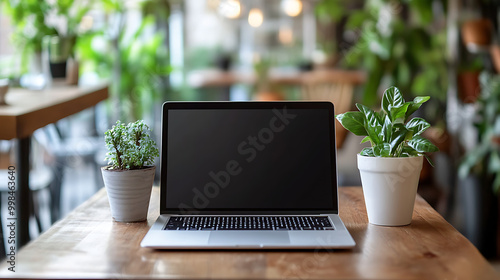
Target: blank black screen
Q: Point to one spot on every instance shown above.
(249, 159)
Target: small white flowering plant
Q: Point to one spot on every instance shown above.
(130, 146)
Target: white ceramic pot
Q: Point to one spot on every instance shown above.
(129, 192)
(389, 187)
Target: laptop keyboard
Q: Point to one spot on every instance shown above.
(249, 223)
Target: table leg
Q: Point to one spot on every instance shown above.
(55, 193)
(23, 170)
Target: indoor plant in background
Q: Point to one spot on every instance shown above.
(479, 170)
(395, 42)
(33, 20)
(264, 89)
(390, 168)
(468, 78)
(134, 57)
(28, 19)
(129, 177)
(484, 159)
(477, 34)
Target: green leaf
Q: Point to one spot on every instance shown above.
(472, 158)
(130, 146)
(423, 10)
(494, 164)
(373, 124)
(330, 10)
(374, 135)
(417, 102)
(382, 150)
(387, 129)
(371, 117)
(354, 122)
(422, 145)
(366, 139)
(398, 114)
(381, 115)
(409, 151)
(429, 160)
(392, 98)
(417, 126)
(367, 152)
(356, 19)
(398, 137)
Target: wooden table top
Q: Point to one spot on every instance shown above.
(28, 110)
(89, 244)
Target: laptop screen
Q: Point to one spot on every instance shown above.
(248, 157)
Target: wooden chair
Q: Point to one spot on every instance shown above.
(336, 86)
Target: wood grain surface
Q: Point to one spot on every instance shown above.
(28, 110)
(89, 244)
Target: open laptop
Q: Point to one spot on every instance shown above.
(248, 175)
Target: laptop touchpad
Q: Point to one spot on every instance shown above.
(248, 238)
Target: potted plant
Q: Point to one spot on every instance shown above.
(129, 177)
(390, 168)
(479, 170)
(264, 89)
(477, 33)
(59, 20)
(393, 43)
(468, 79)
(135, 60)
(60, 49)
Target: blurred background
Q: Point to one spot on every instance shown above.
(344, 51)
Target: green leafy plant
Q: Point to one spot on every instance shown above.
(130, 146)
(388, 131)
(135, 59)
(28, 20)
(261, 69)
(33, 20)
(400, 41)
(484, 159)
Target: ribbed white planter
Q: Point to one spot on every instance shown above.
(129, 192)
(390, 187)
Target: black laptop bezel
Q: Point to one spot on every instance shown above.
(175, 105)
